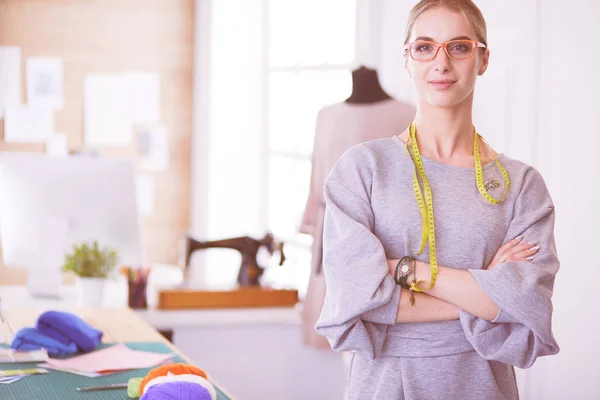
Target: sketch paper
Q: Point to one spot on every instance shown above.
(28, 124)
(145, 194)
(57, 145)
(143, 91)
(45, 82)
(154, 148)
(106, 122)
(10, 77)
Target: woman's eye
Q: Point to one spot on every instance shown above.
(460, 48)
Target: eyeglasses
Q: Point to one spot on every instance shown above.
(423, 50)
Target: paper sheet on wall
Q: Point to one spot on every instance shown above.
(106, 121)
(57, 145)
(10, 77)
(143, 91)
(154, 148)
(45, 82)
(28, 124)
(145, 194)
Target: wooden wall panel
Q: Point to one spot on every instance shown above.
(113, 36)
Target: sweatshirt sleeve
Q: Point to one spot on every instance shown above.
(362, 299)
(522, 330)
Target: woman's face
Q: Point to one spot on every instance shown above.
(445, 82)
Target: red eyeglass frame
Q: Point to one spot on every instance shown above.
(444, 45)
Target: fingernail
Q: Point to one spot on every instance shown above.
(530, 258)
(519, 238)
(533, 243)
(535, 248)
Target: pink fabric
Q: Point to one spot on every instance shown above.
(339, 127)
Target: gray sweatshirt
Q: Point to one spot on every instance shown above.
(371, 215)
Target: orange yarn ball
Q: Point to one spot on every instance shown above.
(175, 369)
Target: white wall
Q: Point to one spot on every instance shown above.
(538, 103)
(568, 154)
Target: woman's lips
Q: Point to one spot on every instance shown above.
(442, 84)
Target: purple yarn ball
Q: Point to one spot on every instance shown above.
(177, 391)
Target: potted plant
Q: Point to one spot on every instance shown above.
(92, 267)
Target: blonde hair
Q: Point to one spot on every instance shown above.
(471, 12)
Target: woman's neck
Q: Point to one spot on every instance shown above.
(445, 133)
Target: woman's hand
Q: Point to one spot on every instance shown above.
(515, 250)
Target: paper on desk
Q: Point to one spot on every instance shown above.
(143, 93)
(57, 145)
(89, 374)
(10, 77)
(144, 186)
(73, 371)
(10, 379)
(28, 124)
(115, 358)
(154, 148)
(15, 356)
(45, 82)
(106, 120)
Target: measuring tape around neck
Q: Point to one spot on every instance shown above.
(426, 204)
(479, 174)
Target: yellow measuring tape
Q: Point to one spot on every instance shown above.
(479, 174)
(426, 205)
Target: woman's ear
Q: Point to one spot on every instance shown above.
(406, 66)
(485, 59)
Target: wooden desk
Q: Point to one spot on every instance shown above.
(246, 350)
(118, 325)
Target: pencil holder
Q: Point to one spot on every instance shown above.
(137, 295)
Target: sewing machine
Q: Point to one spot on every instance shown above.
(249, 292)
(250, 272)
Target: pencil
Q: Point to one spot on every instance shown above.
(107, 387)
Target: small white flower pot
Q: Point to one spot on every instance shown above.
(90, 292)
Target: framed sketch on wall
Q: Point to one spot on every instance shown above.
(45, 82)
(153, 145)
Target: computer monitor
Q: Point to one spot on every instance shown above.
(96, 196)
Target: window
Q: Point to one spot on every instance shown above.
(271, 65)
(310, 52)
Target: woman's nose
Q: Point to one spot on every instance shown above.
(441, 60)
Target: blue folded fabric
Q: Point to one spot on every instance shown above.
(69, 328)
(31, 339)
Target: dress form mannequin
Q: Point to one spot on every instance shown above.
(366, 87)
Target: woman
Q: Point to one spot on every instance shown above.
(438, 253)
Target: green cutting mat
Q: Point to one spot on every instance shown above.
(62, 385)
